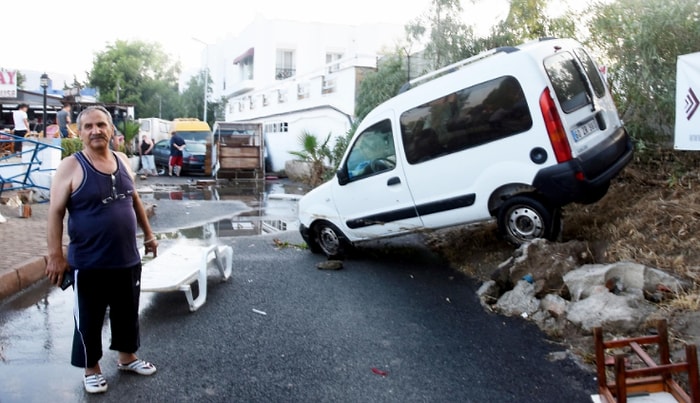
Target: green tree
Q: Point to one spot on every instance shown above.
(133, 72)
(380, 85)
(449, 39)
(527, 20)
(193, 98)
(21, 79)
(160, 100)
(641, 40)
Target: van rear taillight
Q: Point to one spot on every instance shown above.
(555, 130)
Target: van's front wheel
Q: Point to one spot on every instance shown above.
(522, 219)
(329, 239)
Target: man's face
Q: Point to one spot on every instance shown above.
(95, 130)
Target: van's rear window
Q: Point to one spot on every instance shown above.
(591, 71)
(567, 81)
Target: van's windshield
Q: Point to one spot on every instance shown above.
(201, 136)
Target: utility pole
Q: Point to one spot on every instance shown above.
(206, 76)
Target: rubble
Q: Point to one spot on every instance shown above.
(553, 285)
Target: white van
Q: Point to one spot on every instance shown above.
(512, 134)
(155, 128)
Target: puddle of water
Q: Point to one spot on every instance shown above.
(271, 207)
(36, 333)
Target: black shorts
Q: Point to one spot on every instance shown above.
(95, 290)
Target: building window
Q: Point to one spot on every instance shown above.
(286, 65)
(281, 96)
(246, 68)
(333, 57)
(302, 90)
(328, 85)
(276, 127)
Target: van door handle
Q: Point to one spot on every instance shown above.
(393, 181)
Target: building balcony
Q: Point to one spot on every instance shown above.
(242, 87)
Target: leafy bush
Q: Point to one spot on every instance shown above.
(70, 147)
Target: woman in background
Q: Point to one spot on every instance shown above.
(148, 165)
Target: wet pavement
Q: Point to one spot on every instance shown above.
(395, 325)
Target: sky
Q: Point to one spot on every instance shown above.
(63, 37)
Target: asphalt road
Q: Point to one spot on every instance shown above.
(394, 325)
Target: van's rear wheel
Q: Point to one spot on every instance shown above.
(522, 219)
(329, 239)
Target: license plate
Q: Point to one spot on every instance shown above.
(585, 129)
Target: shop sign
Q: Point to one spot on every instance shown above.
(8, 84)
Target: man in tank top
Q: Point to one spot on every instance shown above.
(96, 187)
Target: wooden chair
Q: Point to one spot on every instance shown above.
(651, 377)
(7, 144)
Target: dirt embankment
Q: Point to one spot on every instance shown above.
(651, 215)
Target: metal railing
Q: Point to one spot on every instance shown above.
(18, 175)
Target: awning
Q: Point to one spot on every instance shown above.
(33, 99)
(248, 53)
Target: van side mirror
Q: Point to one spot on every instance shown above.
(342, 175)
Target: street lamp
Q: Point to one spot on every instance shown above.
(206, 76)
(44, 83)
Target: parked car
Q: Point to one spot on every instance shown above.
(192, 156)
(512, 134)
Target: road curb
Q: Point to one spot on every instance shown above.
(22, 276)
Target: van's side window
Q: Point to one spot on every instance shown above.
(467, 118)
(372, 152)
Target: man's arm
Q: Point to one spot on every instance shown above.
(61, 188)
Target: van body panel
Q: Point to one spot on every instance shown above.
(560, 185)
(455, 149)
(376, 200)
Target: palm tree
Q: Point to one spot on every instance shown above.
(316, 154)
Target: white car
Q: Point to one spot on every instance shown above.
(512, 134)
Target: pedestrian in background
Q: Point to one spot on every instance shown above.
(177, 145)
(96, 187)
(21, 122)
(63, 119)
(148, 164)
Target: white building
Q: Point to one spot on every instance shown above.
(294, 77)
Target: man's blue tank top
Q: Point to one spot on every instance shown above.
(102, 220)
